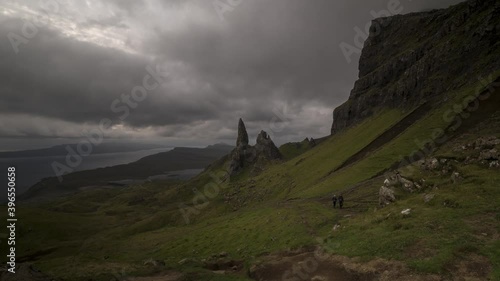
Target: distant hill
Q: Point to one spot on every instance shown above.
(177, 159)
(111, 147)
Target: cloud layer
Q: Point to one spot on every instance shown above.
(277, 64)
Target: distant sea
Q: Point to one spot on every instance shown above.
(30, 170)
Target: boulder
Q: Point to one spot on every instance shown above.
(223, 254)
(153, 262)
(190, 262)
(336, 227)
(406, 212)
(399, 181)
(484, 143)
(489, 155)
(386, 196)
(431, 164)
(407, 184)
(428, 197)
(456, 177)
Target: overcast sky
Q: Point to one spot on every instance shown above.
(275, 63)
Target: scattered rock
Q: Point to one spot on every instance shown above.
(489, 155)
(456, 177)
(407, 184)
(336, 227)
(186, 261)
(223, 264)
(223, 254)
(434, 164)
(481, 143)
(397, 180)
(406, 212)
(484, 151)
(430, 164)
(385, 196)
(153, 262)
(428, 197)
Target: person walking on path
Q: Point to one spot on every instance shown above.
(334, 200)
(341, 201)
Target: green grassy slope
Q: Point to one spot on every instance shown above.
(99, 233)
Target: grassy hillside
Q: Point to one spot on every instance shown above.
(105, 233)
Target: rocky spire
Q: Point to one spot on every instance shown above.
(242, 134)
(253, 157)
(266, 146)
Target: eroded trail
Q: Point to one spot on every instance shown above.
(305, 266)
(316, 265)
(173, 276)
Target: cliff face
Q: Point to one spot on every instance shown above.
(409, 59)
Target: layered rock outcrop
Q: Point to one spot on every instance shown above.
(245, 155)
(409, 59)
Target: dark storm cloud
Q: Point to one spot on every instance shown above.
(57, 77)
(264, 52)
(266, 59)
(275, 50)
(61, 78)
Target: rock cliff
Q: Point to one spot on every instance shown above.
(245, 155)
(242, 134)
(409, 59)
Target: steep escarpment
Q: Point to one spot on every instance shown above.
(410, 59)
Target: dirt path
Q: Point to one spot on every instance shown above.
(304, 266)
(316, 265)
(171, 276)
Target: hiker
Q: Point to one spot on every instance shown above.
(334, 200)
(341, 201)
